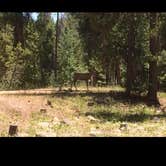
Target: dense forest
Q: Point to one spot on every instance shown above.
(126, 49)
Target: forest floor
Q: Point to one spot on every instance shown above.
(100, 112)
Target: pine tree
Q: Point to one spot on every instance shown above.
(70, 51)
(46, 30)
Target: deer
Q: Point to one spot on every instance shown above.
(90, 76)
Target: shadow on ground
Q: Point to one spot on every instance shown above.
(117, 96)
(117, 117)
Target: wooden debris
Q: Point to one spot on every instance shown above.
(90, 104)
(43, 110)
(49, 102)
(13, 130)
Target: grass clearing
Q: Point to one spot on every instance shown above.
(109, 114)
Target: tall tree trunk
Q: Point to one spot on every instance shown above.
(130, 55)
(19, 29)
(117, 72)
(56, 54)
(152, 92)
(107, 72)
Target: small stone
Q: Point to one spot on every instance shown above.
(45, 134)
(56, 121)
(92, 119)
(66, 122)
(77, 118)
(23, 135)
(43, 110)
(90, 104)
(123, 126)
(48, 103)
(94, 132)
(97, 127)
(158, 110)
(156, 119)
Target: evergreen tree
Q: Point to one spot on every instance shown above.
(70, 51)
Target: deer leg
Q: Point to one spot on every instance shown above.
(71, 86)
(87, 85)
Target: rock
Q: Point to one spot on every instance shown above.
(46, 134)
(123, 126)
(55, 121)
(97, 127)
(13, 130)
(158, 110)
(92, 119)
(156, 119)
(23, 135)
(48, 103)
(43, 110)
(90, 104)
(77, 118)
(94, 132)
(66, 122)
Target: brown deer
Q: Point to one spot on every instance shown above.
(83, 77)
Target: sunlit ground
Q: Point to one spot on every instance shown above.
(96, 113)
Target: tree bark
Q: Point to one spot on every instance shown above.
(107, 72)
(152, 92)
(130, 56)
(117, 72)
(19, 29)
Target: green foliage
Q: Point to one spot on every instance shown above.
(15, 66)
(32, 68)
(161, 70)
(46, 43)
(69, 51)
(6, 52)
(101, 41)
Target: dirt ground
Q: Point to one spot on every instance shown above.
(23, 103)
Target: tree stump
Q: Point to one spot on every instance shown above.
(13, 130)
